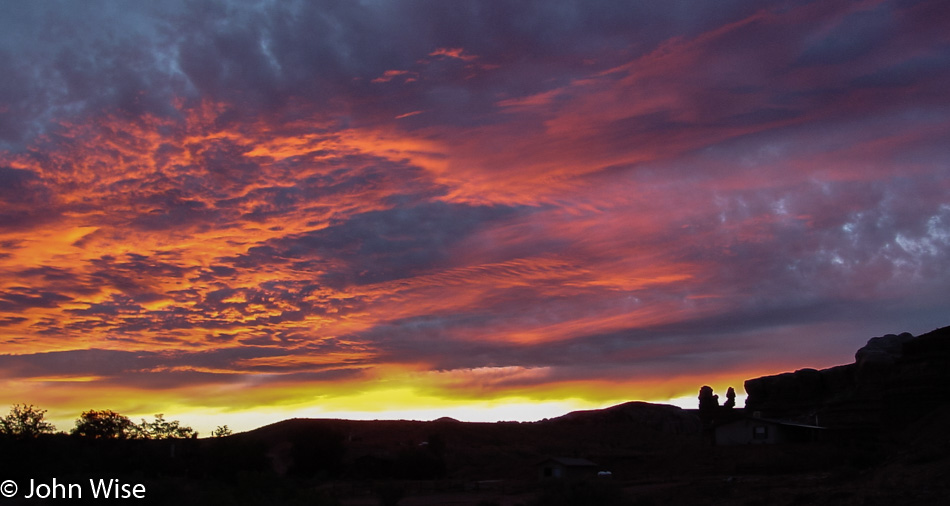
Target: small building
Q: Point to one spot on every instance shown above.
(566, 468)
(755, 430)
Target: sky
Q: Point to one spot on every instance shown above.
(239, 212)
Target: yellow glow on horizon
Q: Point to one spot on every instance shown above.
(204, 409)
(387, 405)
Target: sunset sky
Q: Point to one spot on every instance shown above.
(236, 212)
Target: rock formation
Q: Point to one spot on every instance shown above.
(894, 380)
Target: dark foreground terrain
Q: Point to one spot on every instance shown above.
(865, 443)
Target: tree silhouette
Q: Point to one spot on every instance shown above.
(221, 431)
(25, 421)
(105, 424)
(164, 429)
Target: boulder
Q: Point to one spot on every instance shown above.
(889, 345)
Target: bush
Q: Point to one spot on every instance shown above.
(105, 424)
(25, 421)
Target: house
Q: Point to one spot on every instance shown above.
(566, 468)
(756, 430)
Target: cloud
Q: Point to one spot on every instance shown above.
(381, 246)
(19, 298)
(82, 363)
(275, 55)
(849, 38)
(25, 200)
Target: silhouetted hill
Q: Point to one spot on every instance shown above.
(660, 418)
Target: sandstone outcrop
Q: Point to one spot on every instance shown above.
(894, 380)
